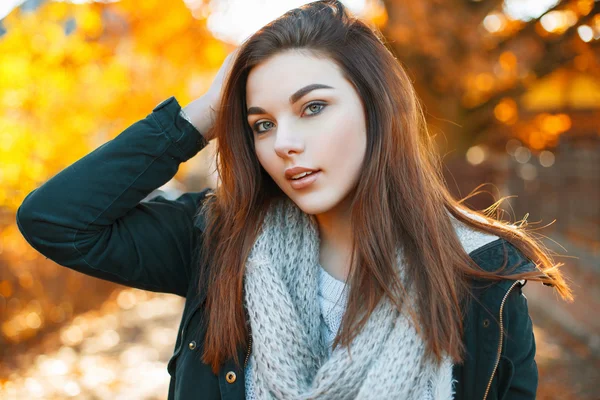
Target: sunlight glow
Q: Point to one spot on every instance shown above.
(494, 22)
(235, 20)
(526, 10)
(585, 33)
(230, 20)
(6, 6)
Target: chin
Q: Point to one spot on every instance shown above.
(313, 203)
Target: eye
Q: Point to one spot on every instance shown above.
(256, 125)
(315, 108)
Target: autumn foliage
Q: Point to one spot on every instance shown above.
(73, 76)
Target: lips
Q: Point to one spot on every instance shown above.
(302, 175)
(291, 172)
(306, 181)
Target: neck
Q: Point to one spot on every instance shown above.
(335, 235)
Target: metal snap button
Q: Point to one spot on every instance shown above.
(230, 377)
(486, 323)
(192, 345)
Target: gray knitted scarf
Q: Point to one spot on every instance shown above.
(289, 355)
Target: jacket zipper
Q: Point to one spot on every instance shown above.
(248, 352)
(487, 390)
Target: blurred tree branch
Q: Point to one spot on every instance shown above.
(445, 47)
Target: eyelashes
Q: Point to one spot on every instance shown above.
(256, 125)
(321, 105)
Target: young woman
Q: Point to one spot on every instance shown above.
(330, 262)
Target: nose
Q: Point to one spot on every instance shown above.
(287, 143)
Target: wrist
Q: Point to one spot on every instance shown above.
(185, 116)
(200, 114)
(185, 136)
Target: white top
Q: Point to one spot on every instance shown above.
(333, 296)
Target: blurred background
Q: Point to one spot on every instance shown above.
(511, 91)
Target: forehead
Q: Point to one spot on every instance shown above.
(276, 78)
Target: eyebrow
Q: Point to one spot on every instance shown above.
(294, 97)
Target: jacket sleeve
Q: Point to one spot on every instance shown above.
(90, 216)
(520, 348)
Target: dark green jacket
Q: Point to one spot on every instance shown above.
(90, 217)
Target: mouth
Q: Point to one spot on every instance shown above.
(304, 179)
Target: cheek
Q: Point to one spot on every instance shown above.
(344, 146)
(265, 156)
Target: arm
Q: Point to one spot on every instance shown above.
(89, 217)
(520, 348)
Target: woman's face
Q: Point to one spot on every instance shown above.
(322, 129)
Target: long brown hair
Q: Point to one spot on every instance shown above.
(401, 196)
